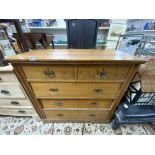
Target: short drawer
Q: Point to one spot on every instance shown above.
(8, 77)
(76, 90)
(76, 114)
(76, 104)
(103, 72)
(14, 102)
(49, 72)
(17, 112)
(11, 91)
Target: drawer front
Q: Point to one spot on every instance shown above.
(76, 90)
(17, 112)
(103, 72)
(50, 72)
(76, 104)
(14, 102)
(76, 114)
(11, 91)
(8, 77)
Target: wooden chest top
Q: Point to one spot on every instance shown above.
(75, 55)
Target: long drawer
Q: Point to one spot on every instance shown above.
(50, 72)
(76, 90)
(76, 104)
(14, 102)
(17, 112)
(103, 72)
(8, 77)
(11, 91)
(76, 115)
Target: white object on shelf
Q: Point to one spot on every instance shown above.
(111, 45)
(115, 31)
(119, 21)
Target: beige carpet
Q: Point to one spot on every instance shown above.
(30, 126)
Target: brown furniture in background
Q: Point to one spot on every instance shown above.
(33, 38)
(2, 63)
(19, 31)
(75, 85)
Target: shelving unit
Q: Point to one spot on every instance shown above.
(60, 34)
(139, 25)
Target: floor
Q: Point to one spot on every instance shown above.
(30, 126)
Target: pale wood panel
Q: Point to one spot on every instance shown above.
(103, 72)
(76, 114)
(50, 72)
(11, 91)
(76, 103)
(8, 68)
(14, 102)
(59, 55)
(17, 112)
(76, 90)
(8, 77)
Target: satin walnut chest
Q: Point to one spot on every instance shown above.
(75, 85)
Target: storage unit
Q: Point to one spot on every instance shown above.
(60, 34)
(13, 99)
(75, 85)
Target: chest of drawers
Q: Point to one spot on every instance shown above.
(75, 85)
(13, 99)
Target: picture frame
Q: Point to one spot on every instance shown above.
(115, 31)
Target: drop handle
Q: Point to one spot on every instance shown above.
(22, 112)
(93, 103)
(53, 89)
(58, 103)
(5, 92)
(49, 73)
(97, 90)
(15, 103)
(59, 115)
(92, 115)
(102, 74)
(0, 79)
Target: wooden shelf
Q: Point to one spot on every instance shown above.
(100, 45)
(141, 31)
(54, 28)
(60, 45)
(63, 28)
(104, 28)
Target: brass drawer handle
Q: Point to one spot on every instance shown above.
(58, 103)
(15, 103)
(97, 90)
(92, 115)
(93, 103)
(22, 112)
(5, 92)
(49, 73)
(102, 74)
(60, 115)
(53, 89)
